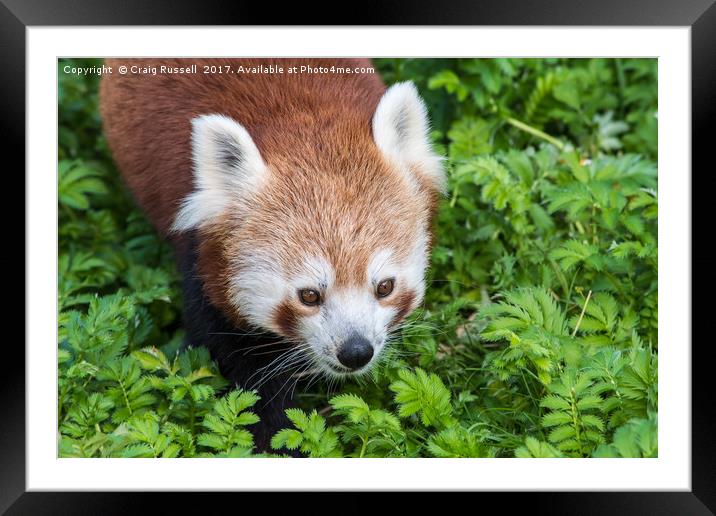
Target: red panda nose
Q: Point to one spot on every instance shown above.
(355, 352)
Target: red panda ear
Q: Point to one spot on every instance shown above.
(228, 168)
(400, 129)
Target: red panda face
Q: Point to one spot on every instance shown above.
(324, 242)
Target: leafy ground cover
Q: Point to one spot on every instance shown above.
(538, 337)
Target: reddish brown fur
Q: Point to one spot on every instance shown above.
(286, 318)
(403, 303)
(147, 118)
(211, 262)
(330, 187)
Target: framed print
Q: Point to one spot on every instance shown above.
(416, 258)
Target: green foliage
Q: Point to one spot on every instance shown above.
(378, 432)
(225, 424)
(539, 333)
(537, 449)
(635, 439)
(311, 435)
(573, 419)
(535, 328)
(423, 394)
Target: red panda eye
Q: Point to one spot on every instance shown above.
(385, 287)
(309, 297)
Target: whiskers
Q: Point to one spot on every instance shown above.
(296, 363)
(284, 362)
(282, 344)
(289, 360)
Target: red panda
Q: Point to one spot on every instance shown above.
(299, 206)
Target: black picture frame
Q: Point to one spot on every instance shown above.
(700, 15)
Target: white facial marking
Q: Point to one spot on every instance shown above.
(400, 129)
(228, 168)
(380, 266)
(357, 310)
(317, 273)
(261, 287)
(414, 268)
(258, 289)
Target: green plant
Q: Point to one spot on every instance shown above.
(539, 332)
